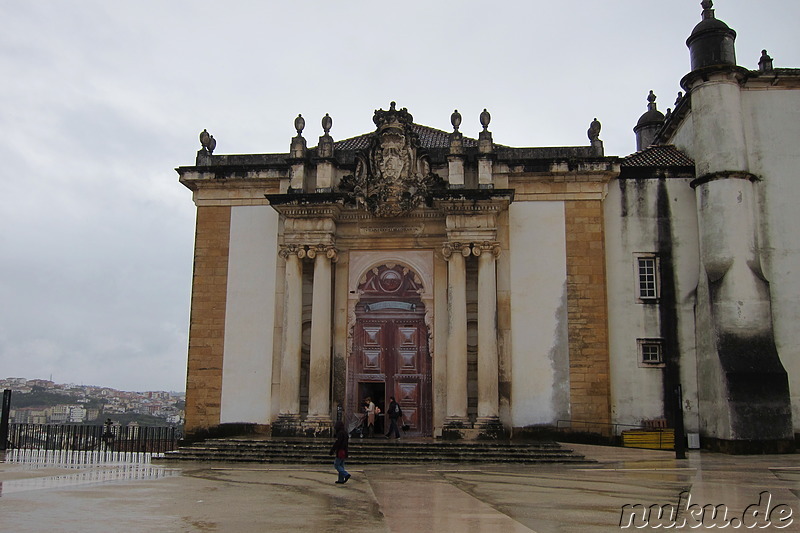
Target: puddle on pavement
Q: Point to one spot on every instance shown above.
(90, 468)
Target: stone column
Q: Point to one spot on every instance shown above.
(488, 402)
(320, 365)
(455, 253)
(292, 336)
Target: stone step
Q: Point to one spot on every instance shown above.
(374, 451)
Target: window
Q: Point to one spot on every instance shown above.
(651, 352)
(648, 282)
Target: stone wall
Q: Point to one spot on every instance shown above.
(587, 312)
(207, 330)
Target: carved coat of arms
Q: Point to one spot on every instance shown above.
(392, 178)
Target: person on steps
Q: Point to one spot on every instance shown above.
(339, 450)
(369, 407)
(394, 414)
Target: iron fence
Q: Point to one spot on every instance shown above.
(106, 438)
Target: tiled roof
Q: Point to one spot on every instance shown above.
(428, 138)
(658, 156)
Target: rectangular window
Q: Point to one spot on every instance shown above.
(651, 352)
(647, 278)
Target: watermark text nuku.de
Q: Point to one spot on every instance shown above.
(687, 514)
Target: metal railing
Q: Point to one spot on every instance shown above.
(106, 438)
(600, 428)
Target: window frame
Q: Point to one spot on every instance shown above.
(642, 344)
(639, 259)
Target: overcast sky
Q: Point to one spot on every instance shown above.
(101, 100)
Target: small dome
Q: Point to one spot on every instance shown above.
(711, 41)
(651, 116)
(649, 124)
(710, 24)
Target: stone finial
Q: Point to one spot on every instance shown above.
(679, 98)
(651, 99)
(207, 141)
(485, 143)
(299, 124)
(297, 148)
(455, 120)
(327, 122)
(485, 119)
(594, 129)
(325, 146)
(765, 62)
(708, 12)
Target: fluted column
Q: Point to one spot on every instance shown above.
(320, 372)
(455, 253)
(488, 402)
(292, 332)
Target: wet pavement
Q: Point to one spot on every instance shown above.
(115, 495)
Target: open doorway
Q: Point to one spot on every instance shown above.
(377, 392)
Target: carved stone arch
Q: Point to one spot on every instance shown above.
(422, 282)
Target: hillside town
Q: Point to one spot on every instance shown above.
(41, 401)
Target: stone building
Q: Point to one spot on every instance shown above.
(493, 289)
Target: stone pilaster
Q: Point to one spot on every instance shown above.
(455, 161)
(587, 310)
(207, 334)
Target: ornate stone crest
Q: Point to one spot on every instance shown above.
(392, 178)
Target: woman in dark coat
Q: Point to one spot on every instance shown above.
(394, 414)
(339, 449)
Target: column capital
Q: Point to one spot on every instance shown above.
(287, 250)
(310, 251)
(450, 248)
(488, 247)
(327, 250)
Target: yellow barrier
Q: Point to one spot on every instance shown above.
(654, 440)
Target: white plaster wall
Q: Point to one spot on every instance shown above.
(773, 139)
(539, 339)
(683, 138)
(637, 390)
(249, 315)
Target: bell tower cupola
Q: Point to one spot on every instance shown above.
(712, 41)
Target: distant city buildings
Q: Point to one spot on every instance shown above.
(88, 403)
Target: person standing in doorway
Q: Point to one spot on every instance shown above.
(394, 413)
(339, 450)
(369, 407)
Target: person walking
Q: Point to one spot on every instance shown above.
(339, 450)
(394, 412)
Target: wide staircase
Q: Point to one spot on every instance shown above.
(374, 451)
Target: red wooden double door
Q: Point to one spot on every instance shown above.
(390, 354)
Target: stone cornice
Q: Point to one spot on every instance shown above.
(472, 201)
(314, 205)
(733, 72)
(723, 175)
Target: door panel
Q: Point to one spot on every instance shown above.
(393, 350)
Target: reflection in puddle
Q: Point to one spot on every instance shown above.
(92, 468)
(73, 458)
